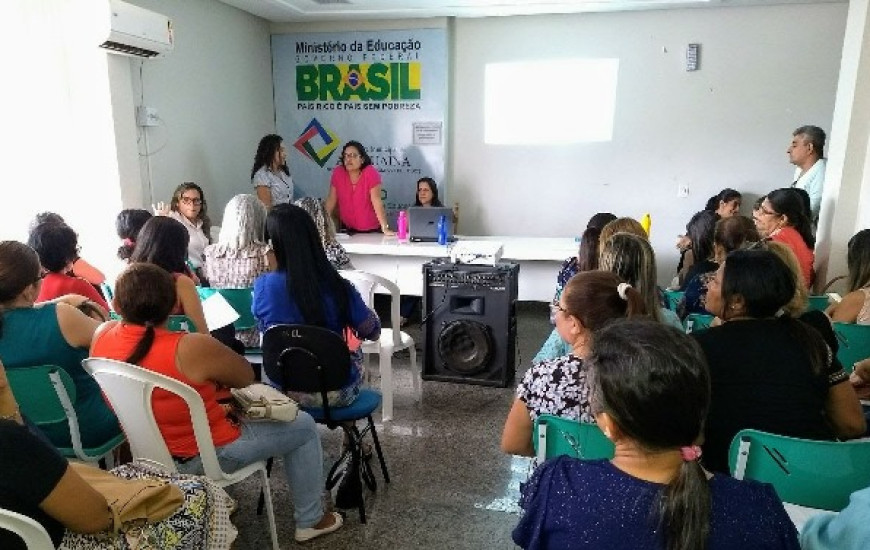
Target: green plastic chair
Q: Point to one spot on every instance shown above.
(555, 436)
(818, 303)
(673, 298)
(854, 343)
(180, 323)
(818, 474)
(46, 395)
(697, 322)
(240, 299)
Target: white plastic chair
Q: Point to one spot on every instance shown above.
(391, 340)
(129, 388)
(33, 534)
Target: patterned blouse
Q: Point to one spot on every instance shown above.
(227, 267)
(559, 387)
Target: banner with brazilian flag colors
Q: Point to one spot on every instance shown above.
(384, 89)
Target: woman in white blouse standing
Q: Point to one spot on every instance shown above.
(270, 176)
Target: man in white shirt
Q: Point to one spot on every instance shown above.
(807, 153)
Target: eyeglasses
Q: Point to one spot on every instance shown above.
(190, 200)
(556, 308)
(351, 156)
(766, 212)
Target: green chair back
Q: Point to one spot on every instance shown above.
(36, 395)
(697, 322)
(107, 292)
(240, 299)
(673, 298)
(818, 303)
(817, 474)
(854, 343)
(46, 395)
(555, 436)
(180, 323)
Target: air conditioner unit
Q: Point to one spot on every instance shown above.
(138, 32)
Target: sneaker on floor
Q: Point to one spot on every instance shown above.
(309, 533)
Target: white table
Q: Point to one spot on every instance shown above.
(401, 262)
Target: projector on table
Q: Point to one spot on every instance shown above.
(476, 252)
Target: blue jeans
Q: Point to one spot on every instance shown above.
(297, 443)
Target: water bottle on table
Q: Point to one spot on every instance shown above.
(402, 223)
(442, 229)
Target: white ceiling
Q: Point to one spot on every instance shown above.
(290, 11)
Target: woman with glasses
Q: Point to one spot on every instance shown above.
(52, 333)
(560, 386)
(355, 188)
(783, 217)
(270, 176)
(189, 208)
(769, 371)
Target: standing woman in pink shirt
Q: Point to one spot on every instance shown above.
(355, 186)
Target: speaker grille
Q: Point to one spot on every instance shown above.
(465, 347)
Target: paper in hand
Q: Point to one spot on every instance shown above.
(218, 312)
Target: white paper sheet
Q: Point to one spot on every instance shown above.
(218, 312)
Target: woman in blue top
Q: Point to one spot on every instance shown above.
(650, 394)
(306, 289)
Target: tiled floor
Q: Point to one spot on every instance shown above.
(451, 485)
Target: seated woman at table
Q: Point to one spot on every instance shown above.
(306, 289)
(560, 386)
(650, 394)
(427, 195)
(729, 235)
(769, 371)
(80, 267)
(163, 242)
(241, 253)
(145, 296)
(355, 188)
(57, 247)
(633, 260)
(54, 333)
(335, 253)
(585, 260)
(855, 306)
(782, 217)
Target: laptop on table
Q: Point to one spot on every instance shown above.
(423, 223)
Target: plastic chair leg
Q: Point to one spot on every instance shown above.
(416, 375)
(270, 510)
(386, 366)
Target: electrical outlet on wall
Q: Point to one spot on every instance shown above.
(682, 190)
(147, 116)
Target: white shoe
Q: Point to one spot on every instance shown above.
(309, 533)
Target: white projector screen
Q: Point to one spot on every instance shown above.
(550, 102)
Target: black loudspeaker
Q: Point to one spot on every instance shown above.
(470, 328)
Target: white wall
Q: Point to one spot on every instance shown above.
(214, 96)
(727, 125)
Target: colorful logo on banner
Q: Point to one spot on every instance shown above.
(326, 141)
(358, 82)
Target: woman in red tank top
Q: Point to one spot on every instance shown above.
(144, 297)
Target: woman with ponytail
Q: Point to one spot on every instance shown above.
(144, 297)
(560, 386)
(585, 260)
(650, 394)
(769, 370)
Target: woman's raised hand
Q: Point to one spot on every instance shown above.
(160, 209)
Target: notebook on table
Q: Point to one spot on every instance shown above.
(423, 223)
